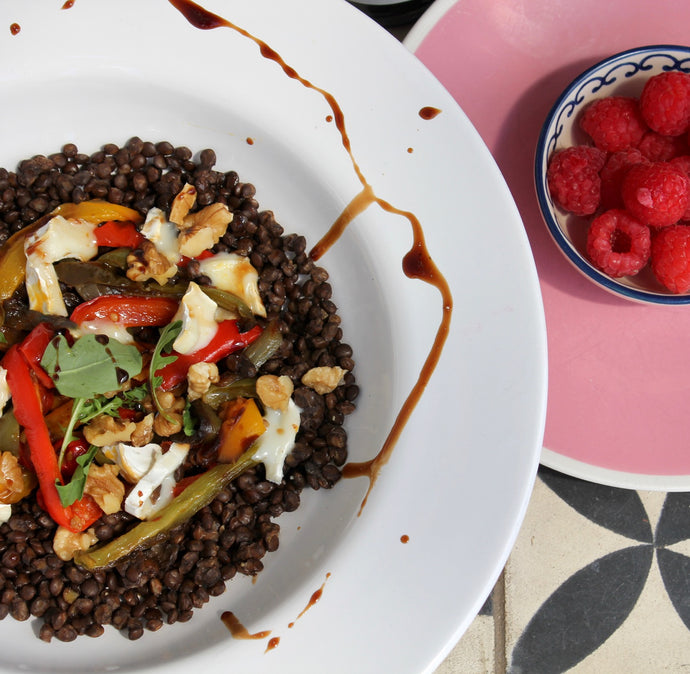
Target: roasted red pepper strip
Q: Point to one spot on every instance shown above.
(29, 414)
(227, 339)
(204, 254)
(116, 234)
(32, 349)
(128, 311)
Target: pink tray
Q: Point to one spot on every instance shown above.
(619, 372)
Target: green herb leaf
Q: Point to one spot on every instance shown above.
(90, 367)
(3, 339)
(74, 489)
(188, 422)
(159, 360)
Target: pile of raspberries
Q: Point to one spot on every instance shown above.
(633, 181)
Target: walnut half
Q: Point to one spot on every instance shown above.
(149, 263)
(324, 379)
(202, 230)
(106, 430)
(66, 543)
(103, 485)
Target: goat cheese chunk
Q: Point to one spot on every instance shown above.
(5, 393)
(159, 479)
(162, 234)
(235, 274)
(278, 439)
(197, 312)
(57, 240)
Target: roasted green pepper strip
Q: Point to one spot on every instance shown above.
(184, 506)
(218, 394)
(265, 346)
(228, 301)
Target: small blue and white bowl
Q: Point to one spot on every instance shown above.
(623, 74)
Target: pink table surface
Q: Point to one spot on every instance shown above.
(619, 372)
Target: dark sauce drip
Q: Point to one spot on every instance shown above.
(410, 150)
(68, 4)
(121, 375)
(404, 538)
(238, 630)
(272, 643)
(250, 141)
(15, 28)
(429, 113)
(312, 600)
(417, 263)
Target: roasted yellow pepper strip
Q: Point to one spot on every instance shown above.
(96, 211)
(13, 260)
(184, 506)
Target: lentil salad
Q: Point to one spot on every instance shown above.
(165, 581)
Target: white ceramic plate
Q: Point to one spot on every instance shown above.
(459, 480)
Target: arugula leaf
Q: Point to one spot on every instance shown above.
(110, 406)
(90, 367)
(159, 360)
(74, 489)
(188, 422)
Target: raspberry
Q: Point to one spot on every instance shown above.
(573, 178)
(665, 103)
(615, 169)
(656, 194)
(618, 244)
(613, 123)
(683, 163)
(671, 258)
(656, 147)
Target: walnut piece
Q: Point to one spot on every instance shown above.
(182, 204)
(143, 433)
(106, 430)
(200, 376)
(274, 391)
(103, 485)
(323, 379)
(202, 230)
(149, 263)
(15, 483)
(66, 543)
(171, 422)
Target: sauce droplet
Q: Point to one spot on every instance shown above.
(68, 4)
(329, 118)
(272, 643)
(417, 263)
(410, 150)
(250, 141)
(15, 28)
(428, 112)
(404, 538)
(312, 600)
(238, 630)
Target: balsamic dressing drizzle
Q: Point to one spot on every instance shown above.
(416, 264)
(15, 28)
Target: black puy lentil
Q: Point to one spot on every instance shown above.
(166, 583)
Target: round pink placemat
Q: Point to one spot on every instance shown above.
(618, 371)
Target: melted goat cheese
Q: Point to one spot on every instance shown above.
(235, 274)
(159, 478)
(162, 234)
(278, 439)
(57, 240)
(198, 315)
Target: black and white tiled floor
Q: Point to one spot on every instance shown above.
(598, 581)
